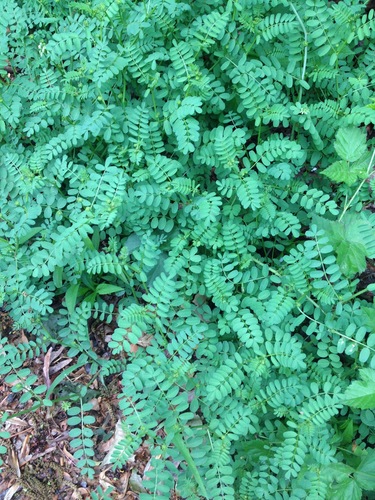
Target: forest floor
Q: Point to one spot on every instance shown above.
(39, 463)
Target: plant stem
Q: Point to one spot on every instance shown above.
(347, 205)
(305, 52)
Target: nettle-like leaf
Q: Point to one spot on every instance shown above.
(351, 257)
(361, 393)
(347, 481)
(349, 240)
(340, 171)
(350, 145)
(349, 173)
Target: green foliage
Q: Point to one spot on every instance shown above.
(200, 175)
(82, 434)
(361, 394)
(355, 163)
(350, 480)
(101, 494)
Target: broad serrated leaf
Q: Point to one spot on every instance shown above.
(369, 317)
(351, 257)
(365, 473)
(361, 393)
(348, 489)
(350, 143)
(340, 171)
(347, 240)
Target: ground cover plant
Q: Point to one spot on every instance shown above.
(199, 176)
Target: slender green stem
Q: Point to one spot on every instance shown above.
(333, 330)
(36, 406)
(305, 51)
(347, 205)
(273, 271)
(354, 296)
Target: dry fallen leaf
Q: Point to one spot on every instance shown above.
(17, 422)
(110, 445)
(104, 482)
(25, 450)
(46, 367)
(56, 354)
(13, 461)
(12, 490)
(59, 366)
(69, 456)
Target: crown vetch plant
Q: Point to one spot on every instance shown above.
(205, 167)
